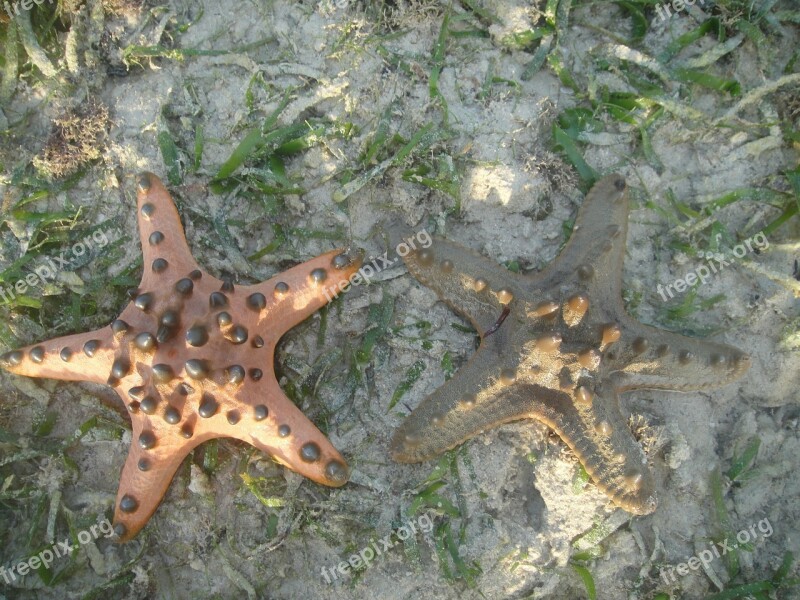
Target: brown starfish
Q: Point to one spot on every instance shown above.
(559, 347)
(192, 359)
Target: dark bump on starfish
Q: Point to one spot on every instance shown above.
(258, 342)
(717, 360)
(131, 293)
(149, 405)
(136, 393)
(148, 210)
(187, 431)
(619, 183)
(586, 272)
(197, 336)
(155, 238)
(208, 406)
(13, 358)
(508, 376)
(437, 420)
(147, 440)
(144, 182)
(143, 301)
(603, 428)
(170, 318)
(685, 357)
(318, 275)
(133, 407)
(340, 261)
(281, 288)
(165, 334)
(227, 285)
(184, 389)
(446, 266)
(224, 319)
(583, 395)
(662, 350)
(197, 368)
(425, 257)
(120, 530)
(235, 374)
(468, 401)
(128, 504)
(640, 345)
(119, 327)
(160, 265)
(37, 354)
(233, 417)
(172, 416)
(337, 472)
(120, 368)
(65, 354)
(260, 412)
(143, 464)
(310, 452)
(145, 342)
(238, 335)
(184, 286)
(217, 300)
(256, 374)
(284, 431)
(196, 275)
(162, 373)
(257, 301)
(91, 347)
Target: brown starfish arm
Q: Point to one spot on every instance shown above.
(163, 240)
(472, 285)
(658, 359)
(287, 435)
(599, 435)
(81, 357)
(475, 399)
(292, 296)
(597, 245)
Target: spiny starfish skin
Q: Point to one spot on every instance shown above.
(192, 358)
(563, 354)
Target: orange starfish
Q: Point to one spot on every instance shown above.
(192, 359)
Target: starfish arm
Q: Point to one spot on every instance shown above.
(658, 359)
(294, 295)
(474, 400)
(153, 459)
(82, 357)
(596, 247)
(286, 434)
(599, 435)
(161, 232)
(470, 284)
(481, 396)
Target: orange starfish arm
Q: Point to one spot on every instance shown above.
(292, 296)
(164, 243)
(82, 357)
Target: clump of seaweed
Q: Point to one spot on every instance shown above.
(78, 138)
